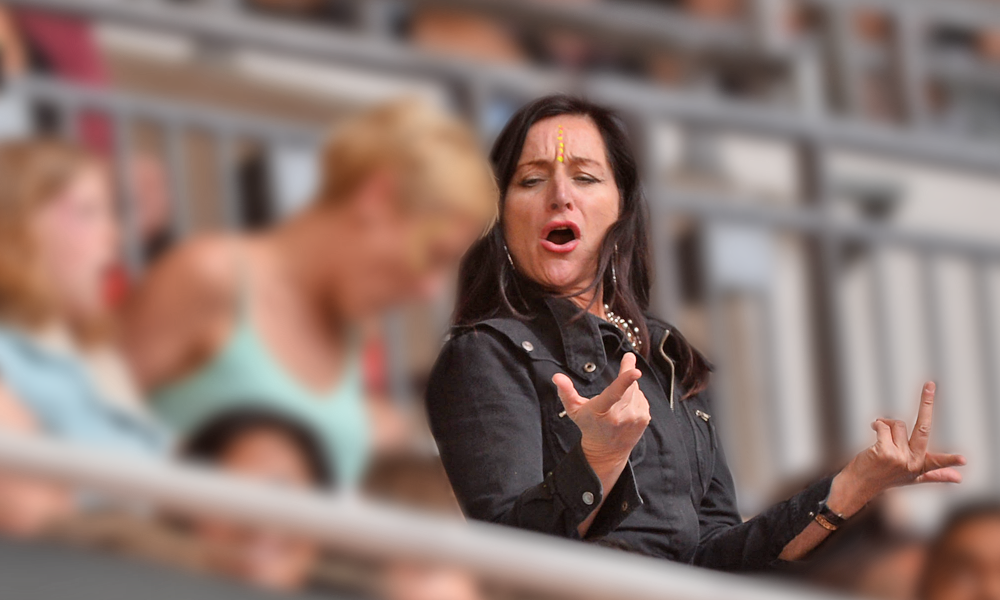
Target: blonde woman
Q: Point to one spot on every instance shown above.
(228, 321)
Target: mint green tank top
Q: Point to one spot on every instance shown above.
(245, 374)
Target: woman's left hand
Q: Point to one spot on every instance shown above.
(894, 460)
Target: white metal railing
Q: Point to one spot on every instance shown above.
(518, 559)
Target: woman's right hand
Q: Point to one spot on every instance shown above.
(611, 422)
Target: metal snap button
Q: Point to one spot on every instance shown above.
(625, 506)
(527, 346)
(590, 367)
(588, 498)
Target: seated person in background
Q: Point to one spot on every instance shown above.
(223, 318)
(58, 238)
(420, 483)
(264, 445)
(12, 55)
(964, 560)
(29, 507)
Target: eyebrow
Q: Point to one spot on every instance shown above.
(569, 158)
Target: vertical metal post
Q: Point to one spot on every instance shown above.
(934, 317)
(134, 254)
(226, 176)
(886, 374)
(909, 63)
(177, 171)
(986, 313)
(842, 58)
(397, 366)
(773, 399)
(666, 282)
(69, 116)
(823, 284)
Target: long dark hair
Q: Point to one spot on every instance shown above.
(488, 284)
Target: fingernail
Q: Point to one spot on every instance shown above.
(930, 387)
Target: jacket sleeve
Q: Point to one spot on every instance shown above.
(484, 413)
(729, 544)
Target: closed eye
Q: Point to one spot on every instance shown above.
(587, 179)
(530, 181)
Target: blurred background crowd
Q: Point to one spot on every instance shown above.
(824, 178)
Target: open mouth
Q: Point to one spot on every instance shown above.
(561, 237)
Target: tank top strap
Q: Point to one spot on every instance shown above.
(243, 287)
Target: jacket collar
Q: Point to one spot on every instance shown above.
(581, 338)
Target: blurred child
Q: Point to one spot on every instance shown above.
(262, 445)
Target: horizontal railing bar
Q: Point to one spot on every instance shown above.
(171, 113)
(307, 41)
(521, 559)
(714, 207)
(974, 14)
(834, 133)
(634, 25)
(713, 111)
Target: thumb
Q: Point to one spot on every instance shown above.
(627, 364)
(567, 393)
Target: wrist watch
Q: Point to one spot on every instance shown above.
(827, 518)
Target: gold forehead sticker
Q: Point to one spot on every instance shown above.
(562, 146)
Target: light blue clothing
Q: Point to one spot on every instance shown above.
(246, 375)
(59, 392)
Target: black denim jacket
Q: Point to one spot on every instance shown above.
(514, 457)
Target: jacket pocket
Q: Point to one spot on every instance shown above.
(705, 440)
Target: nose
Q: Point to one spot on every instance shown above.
(562, 193)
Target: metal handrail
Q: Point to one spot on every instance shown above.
(513, 557)
(835, 132)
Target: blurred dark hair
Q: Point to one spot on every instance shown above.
(211, 441)
(489, 286)
(968, 514)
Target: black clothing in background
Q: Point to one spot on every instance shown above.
(514, 457)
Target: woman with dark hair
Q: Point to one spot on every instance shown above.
(561, 407)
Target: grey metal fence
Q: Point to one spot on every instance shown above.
(831, 246)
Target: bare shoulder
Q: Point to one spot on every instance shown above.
(205, 266)
(183, 309)
(200, 275)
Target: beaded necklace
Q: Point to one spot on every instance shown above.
(631, 331)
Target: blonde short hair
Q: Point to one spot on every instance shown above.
(32, 172)
(436, 157)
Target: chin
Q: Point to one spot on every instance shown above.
(559, 278)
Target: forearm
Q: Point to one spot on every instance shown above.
(847, 497)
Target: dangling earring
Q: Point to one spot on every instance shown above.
(614, 276)
(509, 259)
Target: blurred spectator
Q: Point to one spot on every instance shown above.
(27, 506)
(419, 482)
(964, 560)
(989, 45)
(335, 11)
(12, 57)
(275, 315)
(874, 557)
(270, 447)
(464, 34)
(58, 238)
(972, 108)
(716, 10)
(47, 44)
